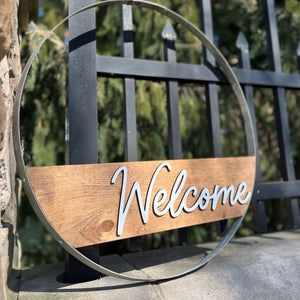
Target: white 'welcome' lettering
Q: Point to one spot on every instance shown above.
(202, 201)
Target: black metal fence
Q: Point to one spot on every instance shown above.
(85, 65)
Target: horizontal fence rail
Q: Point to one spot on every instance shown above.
(277, 189)
(144, 69)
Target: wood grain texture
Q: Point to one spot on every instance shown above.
(82, 204)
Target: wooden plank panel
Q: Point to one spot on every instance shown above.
(83, 201)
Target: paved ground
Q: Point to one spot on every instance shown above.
(259, 267)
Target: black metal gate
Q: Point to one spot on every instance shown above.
(85, 65)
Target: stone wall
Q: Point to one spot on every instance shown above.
(10, 71)
(14, 18)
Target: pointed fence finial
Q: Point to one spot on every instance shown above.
(241, 41)
(298, 50)
(168, 32)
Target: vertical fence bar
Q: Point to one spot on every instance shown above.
(244, 61)
(287, 165)
(298, 56)
(129, 87)
(133, 244)
(82, 112)
(211, 91)
(174, 138)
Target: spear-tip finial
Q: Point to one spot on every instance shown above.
(168, 32)
(241, 41)
(298, 50)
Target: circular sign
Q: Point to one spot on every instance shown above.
(221, 201)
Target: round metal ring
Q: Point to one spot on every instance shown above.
(251, 142)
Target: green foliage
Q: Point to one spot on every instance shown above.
(42, 119)
(43, 112)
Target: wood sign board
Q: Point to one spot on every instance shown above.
(97, 203)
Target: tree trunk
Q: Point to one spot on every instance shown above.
(10, 70)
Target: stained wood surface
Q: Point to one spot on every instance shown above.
(82, 204)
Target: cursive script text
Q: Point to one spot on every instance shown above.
(163, 204)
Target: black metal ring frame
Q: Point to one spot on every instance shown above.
(22, 168)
